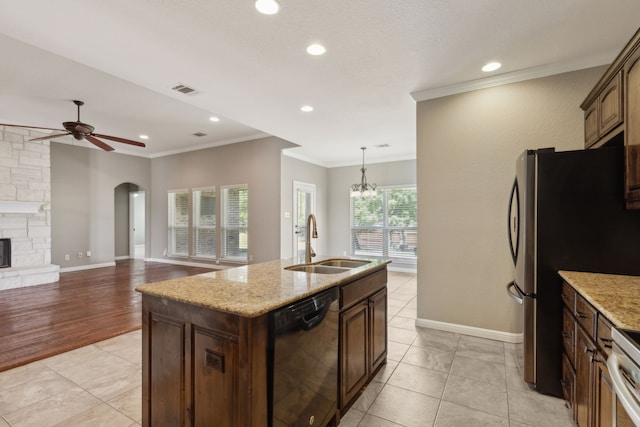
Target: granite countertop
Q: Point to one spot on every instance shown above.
(254, 289)
(615, 296)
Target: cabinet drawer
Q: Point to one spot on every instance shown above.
(604, 334)
(568, 382)
(569, 335)
(568, 296)
(586, 316)
(362, 288)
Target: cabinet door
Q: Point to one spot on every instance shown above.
(568, 383)
(214, 371)
(632, 131)
(354, 344)
(604, 395)
(568, 335)
(167, 381)
(584, 378)
(378, 328)
(611, 106)
(591, 124)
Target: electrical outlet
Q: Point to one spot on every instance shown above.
(250, 257)
(67, 257)
(88, 253)
(79, 254)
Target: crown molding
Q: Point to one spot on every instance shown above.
(514, 77)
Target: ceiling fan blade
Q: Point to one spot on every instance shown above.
(30, 127)
(42, 138)
(98, 143)
(123, 140)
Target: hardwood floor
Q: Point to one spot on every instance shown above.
(82, 308)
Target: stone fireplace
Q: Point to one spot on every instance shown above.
(25, 215)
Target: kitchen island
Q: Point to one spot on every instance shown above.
(205, 339)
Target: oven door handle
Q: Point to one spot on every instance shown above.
(621, 386)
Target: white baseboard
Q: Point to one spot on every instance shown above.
(87, 267)
(188, 263)
(471, 330)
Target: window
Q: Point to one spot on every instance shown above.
(235, 213)
(204, 222)
(179, 222)
(385, 226)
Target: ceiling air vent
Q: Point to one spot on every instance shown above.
(383, 146)
(199, 134)
(184, 89)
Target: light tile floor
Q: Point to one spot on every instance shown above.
(432, 378)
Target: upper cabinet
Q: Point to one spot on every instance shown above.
(613, 108)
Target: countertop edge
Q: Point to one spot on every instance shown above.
(190, 290)
(605, 293)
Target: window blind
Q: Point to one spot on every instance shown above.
(178, 215)
(204, 222)
(235, 214)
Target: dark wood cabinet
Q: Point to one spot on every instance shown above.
(612, 108)
(363, 334)
(585, 378)
(632, 130)
(355, 345)
(202, 367)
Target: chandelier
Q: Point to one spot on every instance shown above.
(363, 188)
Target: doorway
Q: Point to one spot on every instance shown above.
(137, 241)
(304, 203)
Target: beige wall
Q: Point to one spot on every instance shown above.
(255, 163)
(466, 150)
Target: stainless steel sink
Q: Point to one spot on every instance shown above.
(316, 268)
(342, 262)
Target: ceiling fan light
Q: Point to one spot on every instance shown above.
(267, 7)
(316, 49)
(144, 136)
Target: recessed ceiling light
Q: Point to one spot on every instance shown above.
(144, 136)
(267, 7)
(306, 108)
(214, 119)
(491, 66)
(316, 49)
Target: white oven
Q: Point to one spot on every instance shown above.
(624, 368)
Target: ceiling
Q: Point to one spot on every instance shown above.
(122, 58)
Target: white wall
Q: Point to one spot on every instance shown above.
(466, 150)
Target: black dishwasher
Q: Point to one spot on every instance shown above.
(303, 362)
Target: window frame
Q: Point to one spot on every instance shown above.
(385, 230)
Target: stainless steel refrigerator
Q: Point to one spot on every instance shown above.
(566, 212)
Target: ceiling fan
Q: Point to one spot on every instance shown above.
(81, 131)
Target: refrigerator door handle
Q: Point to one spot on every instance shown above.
(517, 296)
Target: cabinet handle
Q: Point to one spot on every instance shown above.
(582, 314)
(606, 342)
(567, 335)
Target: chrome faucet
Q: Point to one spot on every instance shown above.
(309, 253)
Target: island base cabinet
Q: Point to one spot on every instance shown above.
(202, 367)
(355, 342)
(363, 334)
